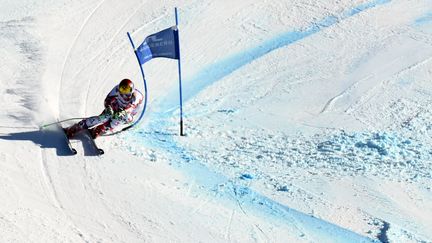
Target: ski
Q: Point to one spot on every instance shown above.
(71, 148)
(93, 142)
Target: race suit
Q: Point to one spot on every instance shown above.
(122, 112)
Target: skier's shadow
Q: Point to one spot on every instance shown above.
(88, 147)
(46, 139)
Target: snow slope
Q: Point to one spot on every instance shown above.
(305, 121)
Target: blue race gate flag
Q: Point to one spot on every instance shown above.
(164, 43)
(161, 44)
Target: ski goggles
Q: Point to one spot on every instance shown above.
(127, 91)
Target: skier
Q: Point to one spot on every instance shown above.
(121, 105)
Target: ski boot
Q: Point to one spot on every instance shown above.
(74, 129)
(97, 131)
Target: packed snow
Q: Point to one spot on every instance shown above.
(305, 121)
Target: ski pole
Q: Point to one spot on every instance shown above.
(58, 122)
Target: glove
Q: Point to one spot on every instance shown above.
(121, 115)
(108, 111)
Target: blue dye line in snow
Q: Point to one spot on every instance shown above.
(215, 72)
(424, 19)
(307, 225)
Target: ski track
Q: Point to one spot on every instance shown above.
(48, 181)
(228, 230)
(72, 47)
(116, 49)
(30, 50)
(215, 72)
(45, 169)
(231, 189)
(54, 197)
(380, 87)
(328, 106)
(107, 46)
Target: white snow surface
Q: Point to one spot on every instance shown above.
(305, 121)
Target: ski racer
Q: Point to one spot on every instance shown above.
(121, 105)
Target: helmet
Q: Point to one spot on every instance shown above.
(126, 87)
